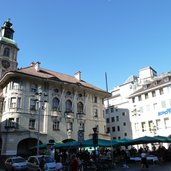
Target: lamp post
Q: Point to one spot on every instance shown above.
(154, 129)
(40, 103)
(135, 115)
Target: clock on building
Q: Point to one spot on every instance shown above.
(5, 63)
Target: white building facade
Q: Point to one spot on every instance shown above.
(143, 104)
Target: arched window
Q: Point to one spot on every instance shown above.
(55, 103)
(68, 105)
(80, 107)
(6, 52)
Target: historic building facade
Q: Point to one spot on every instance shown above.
(38, 104)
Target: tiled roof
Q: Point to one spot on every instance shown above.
(51, 75)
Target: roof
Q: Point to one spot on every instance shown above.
(8, 41)
(152, 85)
(54, 76)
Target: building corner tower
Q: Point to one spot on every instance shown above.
(8, 49)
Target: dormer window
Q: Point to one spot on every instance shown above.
(166, 79)
(6, 52)
(146, 86)
(155, 83)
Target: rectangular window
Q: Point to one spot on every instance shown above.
(13, 102)
(150, 125)
(118, 128)
(153, 94)
(113, 119)
(107, 120)
(123, 113)
(155, 106)
(117, 118)
(32, 104)
(96, 113)
(102, 101)
(133, 100)
(95, 99)
(82, 126)
(146, 96)
(161, 91)
(166, 123)
(113, 129)
(108, 129)
(33, 88)
(163, 104)
(19, 102)
(55, 125)
(4, 106)
(107, 111)
(17, 85)
(111, 110)
(17, 122)
(10, 123)
(158, 124)
(32, 124)
(139, 98)
(143, 125)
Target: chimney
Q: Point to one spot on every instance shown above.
(77, 75)
(37, 66)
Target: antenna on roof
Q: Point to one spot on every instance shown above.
(106, 82)
(106, 88)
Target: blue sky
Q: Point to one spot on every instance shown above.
(118, 37)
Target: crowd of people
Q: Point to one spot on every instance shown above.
(80, 159)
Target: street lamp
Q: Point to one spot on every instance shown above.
(136, 114)
(40, 103)
(154, 129)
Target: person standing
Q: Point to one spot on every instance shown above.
(59, 165)
(42, 163)
(144, 163)
(74, 163)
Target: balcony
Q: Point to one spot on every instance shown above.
(69, 116)
(81, 116)
(11, 125)
(56, 114)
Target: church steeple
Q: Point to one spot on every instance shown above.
(8, 48)
(7, 30)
